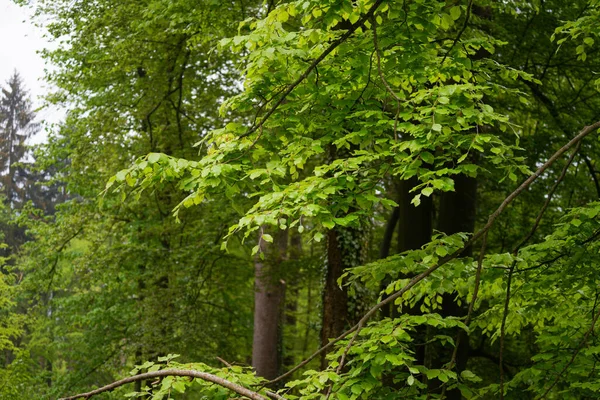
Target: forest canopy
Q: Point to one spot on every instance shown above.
(333, 199)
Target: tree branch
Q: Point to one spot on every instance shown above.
(173, 372)
(462, 30)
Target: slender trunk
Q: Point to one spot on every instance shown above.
(386, 243)
(290, 319)
(457, 209)
(268, 299)
(335, 299)
(345, 249)
(415, 226)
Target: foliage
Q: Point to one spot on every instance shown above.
(305, 119)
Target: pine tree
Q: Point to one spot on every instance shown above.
(16, 126)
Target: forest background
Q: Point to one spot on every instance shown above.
(409, 188)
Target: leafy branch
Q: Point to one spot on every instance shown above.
(515, 251)
(314, 65)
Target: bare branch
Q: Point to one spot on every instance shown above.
(462, 30)
(173, 372)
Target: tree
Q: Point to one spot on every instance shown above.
(16, 126)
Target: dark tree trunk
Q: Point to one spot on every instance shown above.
(414, 231)
(415, 222)
(335, 299)
(268, 299)
(414, 227)
(457, 214)
(345, 249)
(457, 209)
(390, 227)
(291, 300)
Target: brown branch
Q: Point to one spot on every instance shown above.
(479, 234)
(173, 372)
(483, 231)
(224, 362)
(312, 356)
(58, 251)
(313, 65)
(382, 76)
(548, 200)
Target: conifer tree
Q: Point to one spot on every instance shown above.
(16, 126)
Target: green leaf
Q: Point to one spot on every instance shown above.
(153, 158)
(427, 157)
(455, 12)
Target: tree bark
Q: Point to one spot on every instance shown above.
(268, 302)
(345, 249)
(390, 227)
(335, 299)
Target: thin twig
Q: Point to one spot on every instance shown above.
(378, 53)
(462, 30)
(548, 200)
(382, 76)
(312, 356)
(224, 362)
(172, 372)
(314, 64)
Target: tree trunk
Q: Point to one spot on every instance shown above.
(290, 319)
(414, 231)
(415, 222)
(386, 243)
(335, 299)
(457, 214)
(268, 299)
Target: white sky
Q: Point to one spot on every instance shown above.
(19, 42)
